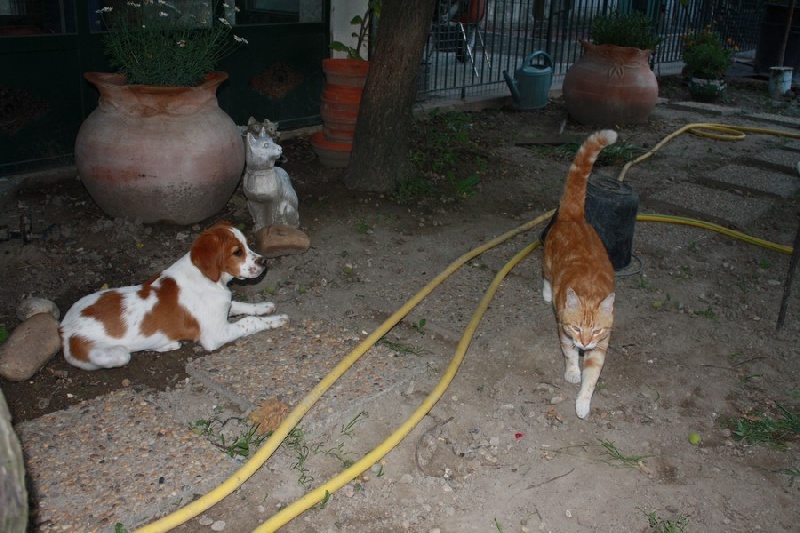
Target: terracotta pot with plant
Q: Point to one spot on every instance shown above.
(612, 82)
(158, 146)
(707, 59)
(345, 78)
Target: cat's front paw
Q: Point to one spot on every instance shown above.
(582, 407)
(573, 375)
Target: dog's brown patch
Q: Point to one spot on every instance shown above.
(168, 316)
(108, 311)
(79, 348)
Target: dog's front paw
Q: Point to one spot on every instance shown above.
(276, 321)
(264, 308)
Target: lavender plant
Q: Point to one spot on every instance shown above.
(174, 44)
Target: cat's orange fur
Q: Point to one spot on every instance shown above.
(579, 278)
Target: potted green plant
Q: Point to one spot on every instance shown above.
(707, 59)
(612, 83)
(158, 147)
(345, 78)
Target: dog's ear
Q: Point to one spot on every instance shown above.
(206, 253)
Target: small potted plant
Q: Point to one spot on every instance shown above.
(345, 78)
(707, 59)
(612, 82)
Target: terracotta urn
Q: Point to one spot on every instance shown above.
(159, 153)
(610, 85)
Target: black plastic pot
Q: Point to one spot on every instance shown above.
(611, 208)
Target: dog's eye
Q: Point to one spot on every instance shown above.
(237, 251)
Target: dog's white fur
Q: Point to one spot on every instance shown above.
(189, 301)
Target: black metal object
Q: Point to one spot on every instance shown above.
(611, 208)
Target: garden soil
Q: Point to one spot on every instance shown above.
(694, 350)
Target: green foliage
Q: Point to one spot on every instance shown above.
(764, 430)
(660, 525)
(634, 29)
(443, 154)
(616, 455)
(157, 43)
(3, 334)
(706, 55)
(362, 36)
(241, 444)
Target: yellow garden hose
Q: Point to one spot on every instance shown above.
(716, 227)
(400, 433)
(265, 452)
(717, 131)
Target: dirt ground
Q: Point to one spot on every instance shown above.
(694, 347)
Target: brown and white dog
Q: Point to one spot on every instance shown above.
(189, 301)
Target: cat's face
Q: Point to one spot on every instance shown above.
(586, 323)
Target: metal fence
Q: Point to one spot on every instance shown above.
(472, 42)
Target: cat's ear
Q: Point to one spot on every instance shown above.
(607, 305)
(572, 299)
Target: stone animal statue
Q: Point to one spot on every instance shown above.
(271, 198)
(271, 128)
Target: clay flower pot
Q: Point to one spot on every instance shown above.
(159, 153)
(703, 90)
(610, 85)
(341, 99)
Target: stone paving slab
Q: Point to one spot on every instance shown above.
(697, 200)
(781, 184)
(117, 458)
(787, 157)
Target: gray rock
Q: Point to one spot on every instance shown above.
(35, 305)
(34, 342)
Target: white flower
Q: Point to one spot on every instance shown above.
(134, 4)
(105, 10)
(162, 14)
(181, 43)
(223, 21)
(240, 39)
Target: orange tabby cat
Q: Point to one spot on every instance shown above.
(579, 278)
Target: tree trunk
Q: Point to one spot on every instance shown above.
(382, 136)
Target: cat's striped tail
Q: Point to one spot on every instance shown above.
(574, 197)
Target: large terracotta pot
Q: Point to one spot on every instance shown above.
(159, 153)
(610, 85)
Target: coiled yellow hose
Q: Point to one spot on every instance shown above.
(717, 131)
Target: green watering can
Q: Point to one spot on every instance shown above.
(531, 82)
